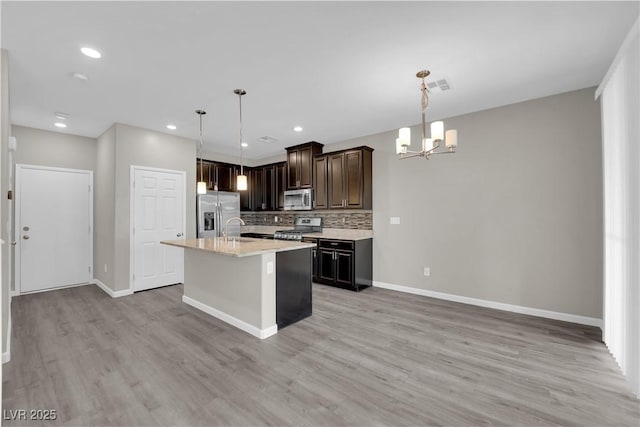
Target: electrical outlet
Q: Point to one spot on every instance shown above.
(427, 271)
(275, 219)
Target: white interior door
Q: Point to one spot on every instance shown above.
(158, 214)
(54, 218)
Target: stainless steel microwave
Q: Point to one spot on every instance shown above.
(298, 200)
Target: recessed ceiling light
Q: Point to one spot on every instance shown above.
(91, 53)
(172, 127)
(297, 128)
(60, 125)
(244, 145)
(80, 76)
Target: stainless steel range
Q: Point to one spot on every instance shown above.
(301, 226)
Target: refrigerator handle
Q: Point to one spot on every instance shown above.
(219, 233)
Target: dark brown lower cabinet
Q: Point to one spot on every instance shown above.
(314, 257)
(346, 264)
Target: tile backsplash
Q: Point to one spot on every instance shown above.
(358, 219)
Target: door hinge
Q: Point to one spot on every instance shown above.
(134, 277)
(89, 188)
(89, 269)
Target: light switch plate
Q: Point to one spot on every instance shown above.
(270, 267)
(394, 220)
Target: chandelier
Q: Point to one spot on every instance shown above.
(429, 145)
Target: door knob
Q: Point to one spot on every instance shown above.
(179, 235)
(25, 228)
(13, 243)
(25, 237)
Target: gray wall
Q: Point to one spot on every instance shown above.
(5, 206)
(104, 209)
(514, 217)
(46, 148)
(141, 147)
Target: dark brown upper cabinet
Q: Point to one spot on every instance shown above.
(220, 176)
(246, 196)
(203, 171)
(225, 177)
(320, 177)
(348, 179)
(280, 184)
(266, 185)
(300, 164)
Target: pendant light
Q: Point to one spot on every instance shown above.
(241, 183)
(201, 187)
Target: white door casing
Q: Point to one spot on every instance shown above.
(158, 210)
(54, 227)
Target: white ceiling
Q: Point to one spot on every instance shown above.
(339, 69)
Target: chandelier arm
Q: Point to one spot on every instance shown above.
(410, 154)
(450, 151)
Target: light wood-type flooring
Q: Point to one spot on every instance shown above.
(375, 358)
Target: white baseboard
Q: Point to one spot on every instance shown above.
(6, 356)
(240, 324)
(111, 292)
(573, 318)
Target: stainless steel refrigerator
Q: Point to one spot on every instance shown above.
(213, 210)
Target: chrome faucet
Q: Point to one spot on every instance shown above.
(226, 225)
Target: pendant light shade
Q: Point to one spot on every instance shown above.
(241, 183)
(241, 180)
(201, 186)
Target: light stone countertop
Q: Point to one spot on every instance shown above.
(238, 247)
(327, 233)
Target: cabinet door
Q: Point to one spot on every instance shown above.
(305, 167)
(224, 177)
(344, 268)
(246, 197)
(257, 189)
(268, 188)
(314, 258)
(335, 181)
(280, 184)
(205, 174)
(326, 265)
(353, 179)
(200, 172)
(314, 265)
(293, 170)
(320, 183)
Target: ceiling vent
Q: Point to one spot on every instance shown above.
(441, 84)
(267, 139)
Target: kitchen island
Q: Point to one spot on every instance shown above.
(256, 285)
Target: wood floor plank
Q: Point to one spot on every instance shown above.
(374, 358)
